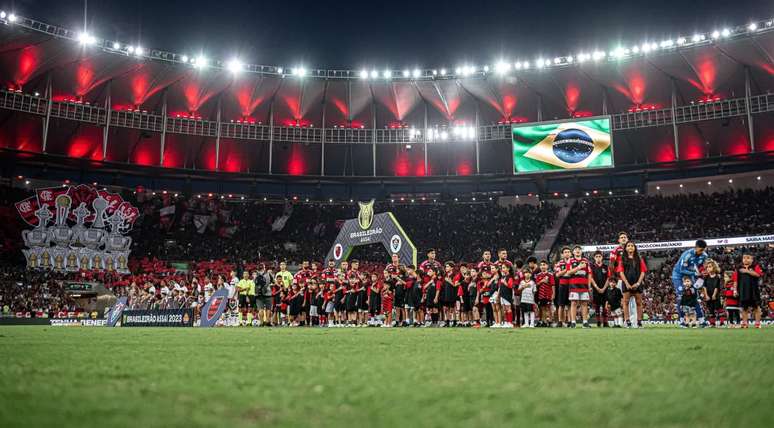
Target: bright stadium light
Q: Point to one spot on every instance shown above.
(569, 59)
(598, 55)
(184, 58)
(116, 45)
(280, 70)
(525, 65)
(681, 41)
(406, 73)
(387, 74)
(697, 38)
(374, 74)
(416, 73)
(557, 60)
(130, 49)
(86, 39)
(235, 66)
(726, 32)
(716, 34)
(636, 49)
(200, 61)
(435, 72)
(486, 69)
(3, 15)
(539, 63)
(139, 51)
(752, 27)
(12, 18)
(299, 71)
(458, 70)
(443, 72)
(502, 67)
(364, 74)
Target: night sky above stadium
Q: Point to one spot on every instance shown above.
(398, 33)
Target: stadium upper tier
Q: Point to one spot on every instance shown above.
(692, 98)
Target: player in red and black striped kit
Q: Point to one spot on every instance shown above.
(562, 295)
(546, 283)
(579, 275)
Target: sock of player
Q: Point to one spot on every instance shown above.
(531, 319)
(509, 317)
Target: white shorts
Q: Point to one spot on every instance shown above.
(329, 307)
(583, 297)
(313, 311)
(504, 302)
(618, 312)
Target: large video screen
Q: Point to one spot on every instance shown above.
(561, 146)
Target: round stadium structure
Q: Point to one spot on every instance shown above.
(74, 106)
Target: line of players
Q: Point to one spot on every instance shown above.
(496, 293)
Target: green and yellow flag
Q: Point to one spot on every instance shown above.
(560, 146)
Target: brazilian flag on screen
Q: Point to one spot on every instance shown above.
(568, 145)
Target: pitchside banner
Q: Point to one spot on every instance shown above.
(369, 228)
(158, 318)
(561, 146)
(668, 245)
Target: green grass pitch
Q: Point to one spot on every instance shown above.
(244, 377)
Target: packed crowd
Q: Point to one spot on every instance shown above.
(662, 218)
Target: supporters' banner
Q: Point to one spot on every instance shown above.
(158, 318)
(369, 228)
(77, 228)
(668, 245)
(201, 222)
(213, 309)
(114, 314)
(560, 146)
(27, 208)
(279, 223)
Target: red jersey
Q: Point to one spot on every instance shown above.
(561, 265)
(545, 290)
(302, 276)
(328, 275)
(428, 264)
(616, 258)
(579, 281)
(392, 269)
(499, 263)
(353, 276)
(730, 300)
(484, 265)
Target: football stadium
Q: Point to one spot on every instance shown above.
(275, 233)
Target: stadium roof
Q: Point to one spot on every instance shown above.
(714, 72)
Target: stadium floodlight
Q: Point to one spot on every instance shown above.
(364, 74)
(636, 49)
(681, 40)
(726, 32)
(645, 47)
(12, 18)
(280, 70)
(406, 73)
(525, 65)
(3, 15)
(598, 55)
(299, 71)
(435, 72)
(752, 27)
(374, 74)
(557, 60)
(716, 34)
(139, 51)
(416, 73)
(444, 135)
(200, 61)
(653, 46)
(697, 38)
(583, 57)
(130, 49)
(486, 69)
(387, 74)
(539, 63)
(443, 72)
(116, 45)
(184, 58)
(569, 59)
(86, 38)
(502, 67)
(667, 44)
(458, 71)
(235, 66)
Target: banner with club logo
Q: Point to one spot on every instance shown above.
(369, 228)
(561, 146)
(76, 228)
(213, 309)
(114, 314)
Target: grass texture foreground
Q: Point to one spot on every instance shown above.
(660, 377)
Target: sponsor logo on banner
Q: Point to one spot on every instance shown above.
(338, 251)
(158, 318)
(71, 322)
(114, 314)
(668, 245)
(395, 243)
(214, 308)
(365, 217)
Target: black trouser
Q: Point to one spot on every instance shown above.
(489, 313)
(734, 316)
